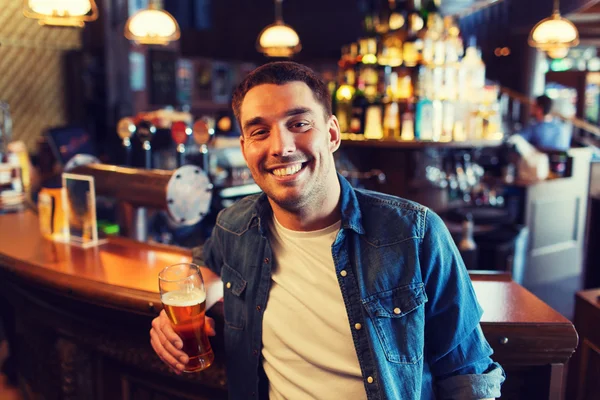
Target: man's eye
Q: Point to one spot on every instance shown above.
(300, 124)
(258, 132)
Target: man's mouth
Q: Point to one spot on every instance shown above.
(287, 170)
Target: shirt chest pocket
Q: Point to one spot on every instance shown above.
(398, 316)
(233, 298)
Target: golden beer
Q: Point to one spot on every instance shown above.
(184, 301)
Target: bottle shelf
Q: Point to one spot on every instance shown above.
(358, 140)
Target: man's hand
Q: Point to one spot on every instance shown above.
(167, 344)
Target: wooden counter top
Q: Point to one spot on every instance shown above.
(123, 273)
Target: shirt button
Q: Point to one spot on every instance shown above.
(228, 285)
(357, 326)
(343, 273)
(397, 311)
(267, 260)
(257, 308)
(255, 352)
(370, 379)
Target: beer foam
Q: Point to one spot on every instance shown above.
(184, 298)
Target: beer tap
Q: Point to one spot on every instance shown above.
(180, 131)
(145, 130)
(125, 129)
(203, 134)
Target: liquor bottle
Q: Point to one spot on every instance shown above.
(373, 117)
(436, 91)
(407, 131)
(448, 118)
(424, 120)
(467, 245)
(368, 68)
(474, 72)
(405, 88)
(343, 110)
(397, 17)
(359, 104)
(381, 17)
(414, 24)
(344, 93)
(391, 112)
(438, 115)
(390, 52)
(432, 14)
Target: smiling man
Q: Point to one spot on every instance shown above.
(332, 292)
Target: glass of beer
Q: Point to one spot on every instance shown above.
(184, 299)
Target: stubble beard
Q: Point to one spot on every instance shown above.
(309, 198)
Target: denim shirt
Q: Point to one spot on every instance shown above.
(405, 283)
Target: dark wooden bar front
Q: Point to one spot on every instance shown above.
(81, 320)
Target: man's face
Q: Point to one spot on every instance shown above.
(288, 144)
(537, 112)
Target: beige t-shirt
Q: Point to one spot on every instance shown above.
(308, 352)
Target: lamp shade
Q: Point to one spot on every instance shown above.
(558, 52)
(152, 26)
(61, 12)
(278, 40)
(554, 32)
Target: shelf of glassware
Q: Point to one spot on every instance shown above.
(358, 140)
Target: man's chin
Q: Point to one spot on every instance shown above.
(288, 201)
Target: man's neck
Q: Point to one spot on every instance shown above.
(312, 217)
(548, 118)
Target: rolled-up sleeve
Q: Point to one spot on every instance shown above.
(477, 378)
(457, 352)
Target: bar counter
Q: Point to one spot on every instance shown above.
(82, 320)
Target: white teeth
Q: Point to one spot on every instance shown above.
(287, 171)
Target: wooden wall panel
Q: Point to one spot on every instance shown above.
(32, 77)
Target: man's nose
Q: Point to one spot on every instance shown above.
(282, 142)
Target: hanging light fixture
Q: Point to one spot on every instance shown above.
(61, 12)
(559, 52)
(278, 39)
(152, 26)
(554, 33)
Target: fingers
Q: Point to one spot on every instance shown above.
(164, 341)
(167, 330)
(209, 326)
(165, 357)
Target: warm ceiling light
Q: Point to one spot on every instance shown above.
(152, 26)
(554, 32)
(278, 39)
(61, 12)
(558, 52)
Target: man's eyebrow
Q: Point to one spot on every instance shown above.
(253, 121)
(289, 113)
(298, 111)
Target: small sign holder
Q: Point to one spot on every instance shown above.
(79, 206)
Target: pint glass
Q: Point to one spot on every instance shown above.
(184, 299)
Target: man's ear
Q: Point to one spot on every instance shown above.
(335, 136)
(242, 147)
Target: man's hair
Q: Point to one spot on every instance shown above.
(544, 103)
(280, 73)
